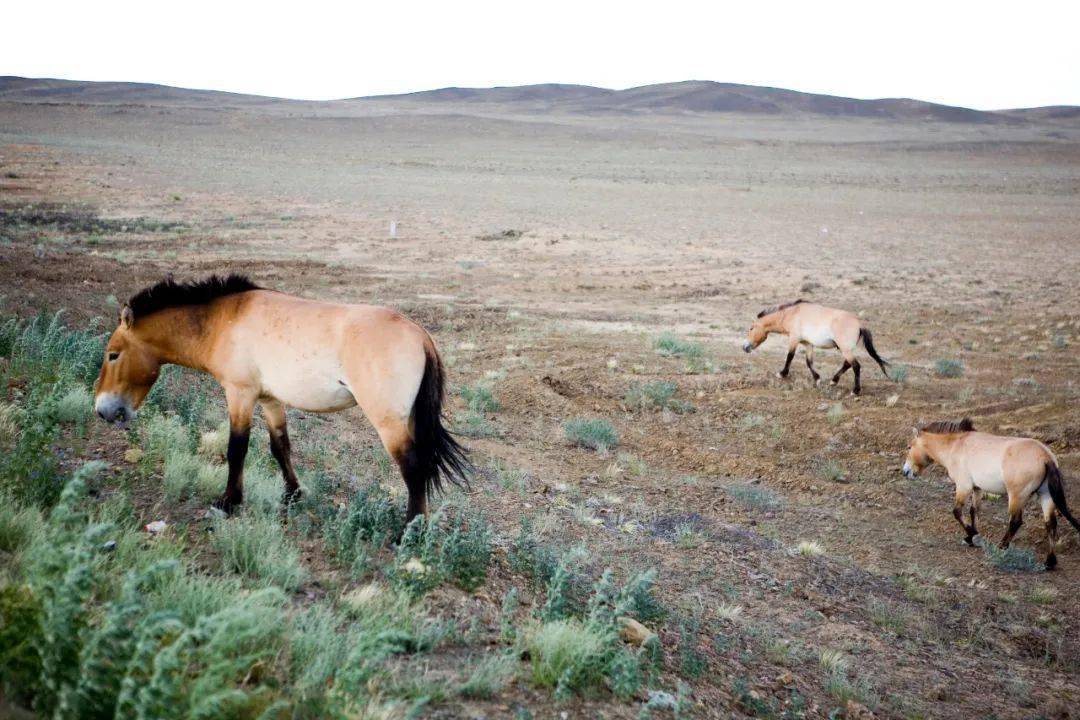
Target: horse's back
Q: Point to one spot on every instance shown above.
(323, 356)
(1000, 462)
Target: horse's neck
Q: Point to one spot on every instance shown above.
(943, 448)
(179, 336)
(777, 322)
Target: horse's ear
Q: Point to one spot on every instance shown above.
(126, 317)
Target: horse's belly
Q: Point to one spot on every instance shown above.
(313, 391)
(820, 336)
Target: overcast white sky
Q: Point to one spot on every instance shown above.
(977, 54)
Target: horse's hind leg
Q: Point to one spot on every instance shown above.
(398, 441)
(241, 401)
(843, 369)
(810, 363)
(1050, 519)
(1016, 519)
(274, 414)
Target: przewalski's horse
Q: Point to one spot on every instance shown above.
(279, 350)
(979, 462)
(815, 326)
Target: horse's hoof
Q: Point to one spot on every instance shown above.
(290, 496)
(226, 504)
(1051, 562)
(781, 375)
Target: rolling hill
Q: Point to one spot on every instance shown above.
(694, 96)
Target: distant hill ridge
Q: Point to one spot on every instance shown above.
(692, 96)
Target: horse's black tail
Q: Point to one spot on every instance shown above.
(434, 453)
(1052, 478)
(868, 343)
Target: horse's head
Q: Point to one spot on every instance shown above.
(917, 455)
(128, 371)
(757, 335)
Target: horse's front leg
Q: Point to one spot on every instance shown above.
(241, 401)
(792, 347)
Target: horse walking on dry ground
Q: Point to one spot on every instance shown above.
(979, 462)
(279, 350)
(815, 326)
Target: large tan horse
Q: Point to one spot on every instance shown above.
(815, 326)
(979, 462)
(277, 350)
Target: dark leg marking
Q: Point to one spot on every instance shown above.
(1051, 539)
(958, 513)
(1015, 522)
(843, 369)
(856, 368)
(787, 365)
(234, 490)
(810, 365)
(281, 449)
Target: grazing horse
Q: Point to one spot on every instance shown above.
(281, 351)
(815, 326)
(979, 462)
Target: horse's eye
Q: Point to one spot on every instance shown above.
(113, 356)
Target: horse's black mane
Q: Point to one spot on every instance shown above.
(169, 294)
(944, 427)
(778, 308)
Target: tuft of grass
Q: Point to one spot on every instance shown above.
(479, 398)
(948, 368)
(687, 536)
(567, 655)
(899, 373)
(9, 425)
(831, 471)
(489, 676)
(257, 547)
(19, 526)
(834, 662)
(835, 414)
(593, 433)
(74, 406)
(670, 344)
(809, 548)
(755, 497)
(888, 616)
(1043, 594)
(657, 395)
(728, 611)
(186, 475)
(214, 443)
(1012, 559)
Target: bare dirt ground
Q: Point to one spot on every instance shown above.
(952, 241)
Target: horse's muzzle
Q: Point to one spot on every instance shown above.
(747, 347)
(112, 409)
(908, 472)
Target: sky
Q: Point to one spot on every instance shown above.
(985, 55)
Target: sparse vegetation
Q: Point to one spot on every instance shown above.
(948, 368)
(899, 373)
(595, 434)
(659, 395)
(809, 548)
(1012, 559)
(755, 497)
(835, 414)
(831, 471)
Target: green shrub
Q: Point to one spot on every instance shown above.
(947, 368)
(567, 655)
(256, 547)
(655, 395)
(1012, 559)
(161, 434)
(831, 471)
(185, 475)
(670, 344)
(447, 547)
(75, 406)
(29, 472)
(489, 676)
(371, 519)
(755, 497)
(596, 434)
(531, 557)
(19, 526)
(899, 373)
(479, 398)
(20, 633)
(44, 352)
